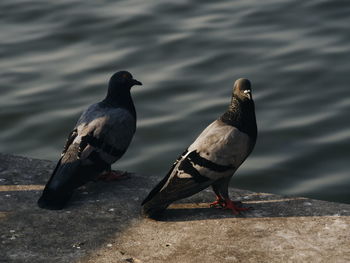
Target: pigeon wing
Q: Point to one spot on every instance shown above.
(160, 185)
(183, 180)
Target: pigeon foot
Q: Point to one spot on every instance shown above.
(218, 202)
(113, 176)
(235, 207)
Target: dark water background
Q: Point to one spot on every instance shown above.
(56, 58)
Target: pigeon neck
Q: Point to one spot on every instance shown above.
(121, 100)
(241, 114)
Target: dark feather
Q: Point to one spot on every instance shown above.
(160, 185)
(68, 175)
(176, 188)
(195, 158)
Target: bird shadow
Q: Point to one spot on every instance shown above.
(197, 207)
(116, 194)
(261, 205)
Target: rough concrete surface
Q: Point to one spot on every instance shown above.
(102, 224)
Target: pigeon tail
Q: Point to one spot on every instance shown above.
(153, 210)
(68, 175)
(177, 188)
(53, 200)
(59, 188)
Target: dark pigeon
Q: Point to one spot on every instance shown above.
(100, 137)
(213, 157)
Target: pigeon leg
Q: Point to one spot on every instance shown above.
(234, 206)
(219, 201)
(113, 176)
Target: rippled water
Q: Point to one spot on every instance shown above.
(56, 58)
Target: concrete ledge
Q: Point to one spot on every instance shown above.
(102, 224)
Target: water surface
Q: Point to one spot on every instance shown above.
(56, 58)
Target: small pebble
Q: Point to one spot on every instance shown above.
(76, 246)
(109, 245)
(111, 210)
(307, 203)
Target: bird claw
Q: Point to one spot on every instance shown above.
(218, 202)
(235, 207)
(113, 176)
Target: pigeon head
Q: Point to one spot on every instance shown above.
(241, 111)
(242, 89)
(122, 80)
(119, 86)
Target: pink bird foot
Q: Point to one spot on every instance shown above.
(218, 202)
(113, 176)
(235, 208)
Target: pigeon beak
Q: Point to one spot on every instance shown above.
(248, 93)
(136, 82)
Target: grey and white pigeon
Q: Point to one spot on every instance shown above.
(100, 137)
(213, 157)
